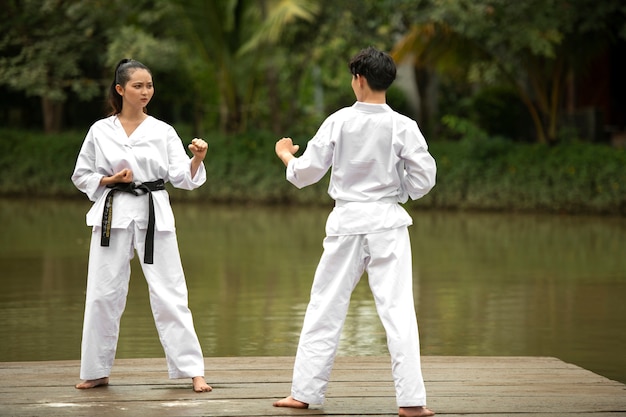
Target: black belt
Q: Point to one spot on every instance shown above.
(135, 188)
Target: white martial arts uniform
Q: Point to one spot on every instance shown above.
(379, 158)
(153, 151)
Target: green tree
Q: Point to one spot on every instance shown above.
(281, 65)
(233, 39)
(313, 55)
(60, 49)
(533, 45)
(45, 47)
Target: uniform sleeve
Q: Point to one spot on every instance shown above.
(420, 169)
(179, 165)
(85, 177)
(315, 161)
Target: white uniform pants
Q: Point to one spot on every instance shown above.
(386, 256)
(107, 288)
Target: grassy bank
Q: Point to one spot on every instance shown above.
(476, 175)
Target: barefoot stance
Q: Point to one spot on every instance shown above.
(291, 403)
(200, 385)
(415, 412)
(92, 383)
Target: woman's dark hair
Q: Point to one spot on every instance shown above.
(376, 66)
(123, 71)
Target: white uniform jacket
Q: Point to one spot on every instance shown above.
(153, 151)
(378, 157)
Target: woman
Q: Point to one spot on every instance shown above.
(123, 164)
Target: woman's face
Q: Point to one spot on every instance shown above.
(138, 91)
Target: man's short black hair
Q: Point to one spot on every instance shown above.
(376, 66)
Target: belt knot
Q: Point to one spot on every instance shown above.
(135, 188)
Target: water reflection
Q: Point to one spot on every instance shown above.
(485, 284)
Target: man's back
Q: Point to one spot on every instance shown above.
(366, 164)
(375, 154)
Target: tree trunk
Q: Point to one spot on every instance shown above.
(534, 114)
(52, 115)
(231, 120)
(427, 88)
(276, 121)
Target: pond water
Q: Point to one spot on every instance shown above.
(485, 284)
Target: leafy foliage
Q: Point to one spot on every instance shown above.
(495, 174)
(532, 46)
(280, 65)
(46, 47)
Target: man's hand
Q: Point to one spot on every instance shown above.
(285, 149)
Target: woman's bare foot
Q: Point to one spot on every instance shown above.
(415, 412)
(92, 383)
(200, 385)
(291, 403)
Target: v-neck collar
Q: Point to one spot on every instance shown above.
(134, 132)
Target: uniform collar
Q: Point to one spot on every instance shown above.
(371, 107)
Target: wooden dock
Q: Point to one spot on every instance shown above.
(247, 386)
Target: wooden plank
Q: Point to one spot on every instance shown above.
(247, 386)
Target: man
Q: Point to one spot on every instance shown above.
(379, 159)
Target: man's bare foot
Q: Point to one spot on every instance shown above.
(200, 385)
(92, 383)
(415, 412)
(291, 403)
